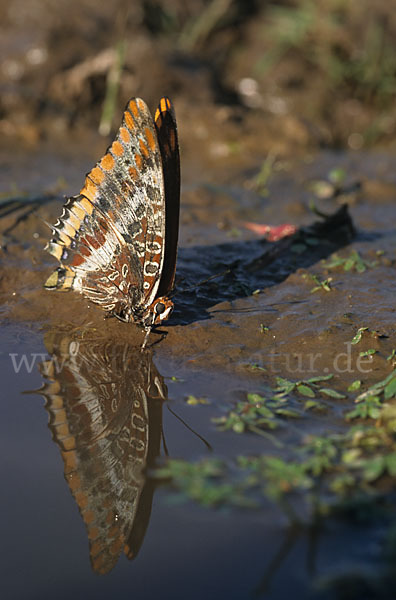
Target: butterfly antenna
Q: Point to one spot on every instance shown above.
(209, 447)
(202, 282)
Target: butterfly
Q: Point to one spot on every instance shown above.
(116, 241)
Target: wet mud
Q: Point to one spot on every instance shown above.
(251, 281)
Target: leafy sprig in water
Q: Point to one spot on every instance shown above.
(331, 467)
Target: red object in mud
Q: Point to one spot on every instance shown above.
(272, 233)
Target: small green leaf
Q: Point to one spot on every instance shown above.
(304, 390)
(358, 335)
(282, 382)
(351, 457)
(284, 386)
(374, 412)
(193, 400)
(349, 263)
(374, 468)
(369, 352)
(392, 355)
(256, 367)
(390, 389)
(355, 385)
(337, 175)
(314, 404)
(335, 261)
(342, 483)
(319, 378)
(360, 267)
(255, 398)
(322, 189)
(288, 412)
(310, 404)
(332, 393)
(239, 427)
(391, 464)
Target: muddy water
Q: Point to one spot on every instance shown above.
(75, 499)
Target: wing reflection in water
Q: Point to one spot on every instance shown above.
(104, 402)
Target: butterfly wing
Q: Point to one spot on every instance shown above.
(165, 125)
(110, 238)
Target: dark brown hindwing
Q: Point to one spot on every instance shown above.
(165, 125)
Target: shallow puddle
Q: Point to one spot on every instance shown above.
(76, 499)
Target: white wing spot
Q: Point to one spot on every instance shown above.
(113, 275)
(150, 268)
(154, 248)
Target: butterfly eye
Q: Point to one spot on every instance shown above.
(159, 308)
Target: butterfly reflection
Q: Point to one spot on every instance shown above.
(104, 402)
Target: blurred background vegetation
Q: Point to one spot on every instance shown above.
(303, 73)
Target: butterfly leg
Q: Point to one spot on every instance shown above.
(147, 330)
